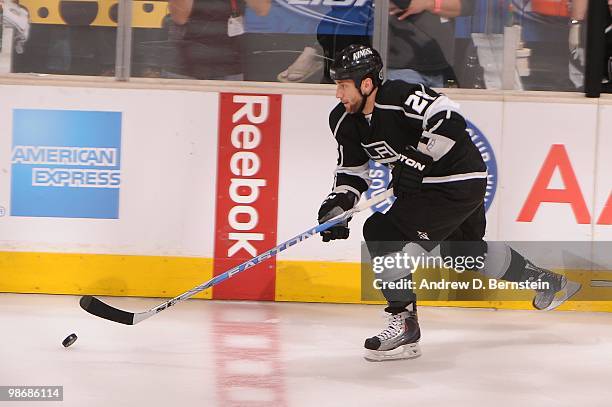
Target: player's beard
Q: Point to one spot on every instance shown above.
(357, 107)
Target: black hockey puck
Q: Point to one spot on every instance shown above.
(70, 339)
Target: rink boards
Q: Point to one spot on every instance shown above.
(129, 190)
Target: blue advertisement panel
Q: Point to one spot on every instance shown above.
(66, 164)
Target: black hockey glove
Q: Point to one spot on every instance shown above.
(334, 205)
(408, 172)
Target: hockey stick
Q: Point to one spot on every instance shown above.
(98, 308)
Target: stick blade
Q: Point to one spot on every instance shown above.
(100, 309)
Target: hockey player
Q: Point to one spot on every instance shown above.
(438, 177)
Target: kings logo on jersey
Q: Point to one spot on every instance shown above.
(66, 164)
(381, 176)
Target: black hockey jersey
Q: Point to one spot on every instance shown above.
(405, 115)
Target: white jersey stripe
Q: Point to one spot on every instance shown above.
(338, 125)
(455, 177)
(393, 107)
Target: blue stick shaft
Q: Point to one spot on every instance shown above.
(275, 250)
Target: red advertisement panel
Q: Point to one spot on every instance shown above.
(247, 192)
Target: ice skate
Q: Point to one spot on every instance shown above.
(560, 288)
(399, 340)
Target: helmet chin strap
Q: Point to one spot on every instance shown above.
(364, 99)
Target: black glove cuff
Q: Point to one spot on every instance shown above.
(344, 200)
(415, 161)
(409, 171)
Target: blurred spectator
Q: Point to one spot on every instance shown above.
(308, 64)
(608, 60)
(576, 41)
(340, 27)
(72, 48)
(554, 34)
(18, 18)
(343, 26)
(204, 36)
(279, 43)
(422, 39)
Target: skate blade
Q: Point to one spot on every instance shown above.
(568, 291)
(409, 351)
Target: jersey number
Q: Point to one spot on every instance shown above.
(416, 103)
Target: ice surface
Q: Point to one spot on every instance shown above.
(209, 353)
